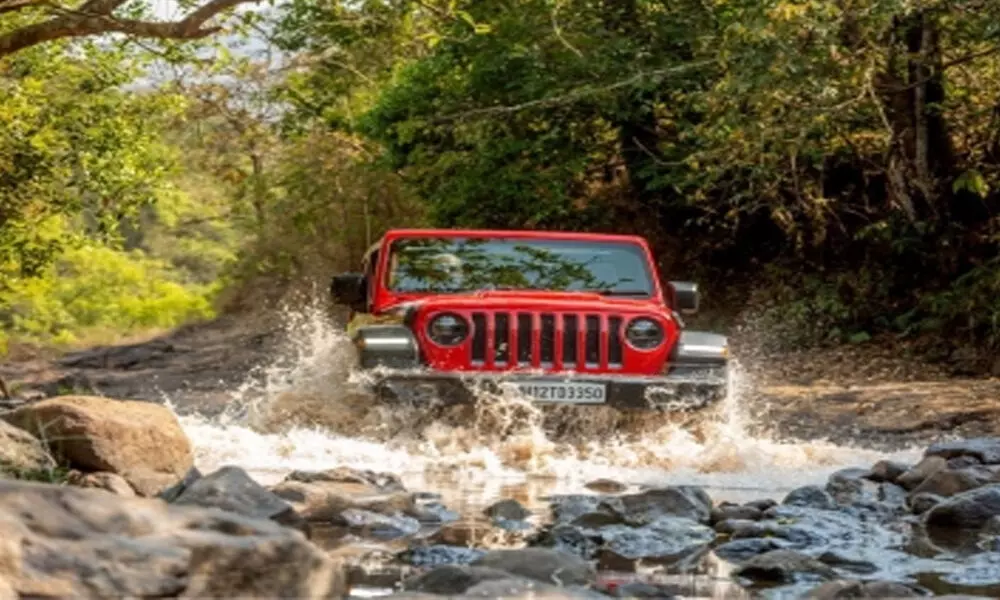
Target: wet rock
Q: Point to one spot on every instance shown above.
(141, 441)
(887, 471)
(744, 549)
(991, 527)
(606, 486)
(108, 482)
(836, 590)
(21, 452)
(231, 488)
(968, 510)
(508, 510)
(645, 507)
(568, 539)
(735, 511)
(595, 520)
(326, 500)
(541, 564)
(453, 579)
(173, 492)
(810, 496)
(381, 483)
(763, 504)
(784, 566)
(440, 555)
(379, 525)
(924, 469)
(849, 486)
(948, 482)
(521, 588)
(63, 541)
(984, 449)
(569, 507)
(961, 462)
(468, 532)
(642, 589)
(921, 503)
(670, 538)
(836, 559)
(745, 527)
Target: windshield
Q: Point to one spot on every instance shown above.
(453, 265)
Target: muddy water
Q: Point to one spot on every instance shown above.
(305, 410)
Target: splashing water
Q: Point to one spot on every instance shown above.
(308, 410)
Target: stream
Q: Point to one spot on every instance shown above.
(304, 411)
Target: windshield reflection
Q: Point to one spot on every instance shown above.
(454, 265)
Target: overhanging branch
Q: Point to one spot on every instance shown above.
(95, 17)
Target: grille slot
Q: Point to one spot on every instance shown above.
(566, 341)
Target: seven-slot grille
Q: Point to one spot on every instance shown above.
(559, 341)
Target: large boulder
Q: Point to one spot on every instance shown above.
(21, 452)
(141, 441)
(62, 541)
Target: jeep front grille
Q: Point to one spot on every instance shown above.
(554, 341)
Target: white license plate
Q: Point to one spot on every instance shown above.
(563, 392)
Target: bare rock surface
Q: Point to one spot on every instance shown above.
(141, 441)
(61, 541)
(20, 451)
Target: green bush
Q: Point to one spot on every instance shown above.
(94, 291)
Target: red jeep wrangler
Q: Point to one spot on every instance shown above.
(574, 318)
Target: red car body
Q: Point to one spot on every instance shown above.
(608, 345)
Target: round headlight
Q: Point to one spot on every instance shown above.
(448, 329)
(644, 334)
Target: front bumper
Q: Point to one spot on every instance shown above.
(679, 392)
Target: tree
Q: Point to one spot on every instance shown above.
(27, 23)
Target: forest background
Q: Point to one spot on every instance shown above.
(831, 167)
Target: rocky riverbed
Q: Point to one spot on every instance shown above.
(223, 453)
(118, 508)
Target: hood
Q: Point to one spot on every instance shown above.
(528, 300)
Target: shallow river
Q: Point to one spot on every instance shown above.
(298, 413)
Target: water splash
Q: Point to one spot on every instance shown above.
(306, 409)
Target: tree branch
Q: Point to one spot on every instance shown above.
(573, 95)
(95, 17)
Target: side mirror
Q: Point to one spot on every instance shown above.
(350, 290)
(686, 296)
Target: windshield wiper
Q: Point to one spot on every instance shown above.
(622, 292)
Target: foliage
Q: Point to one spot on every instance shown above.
(849, 148)
(94, 289)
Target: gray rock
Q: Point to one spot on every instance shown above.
(810, 496)
(984, 449)
(836, 590)
(735, 511)
(763, 504)
(540, 564)
(924, 469)
(689, 502)
(439, 554)
(968, 510)
(82, 543)
(887, 470)
(231, 488)
(510, 510)
(452, 579)
(921, 503)
(744, 549)
(784, 566)
(948, 482)
(670, 538)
